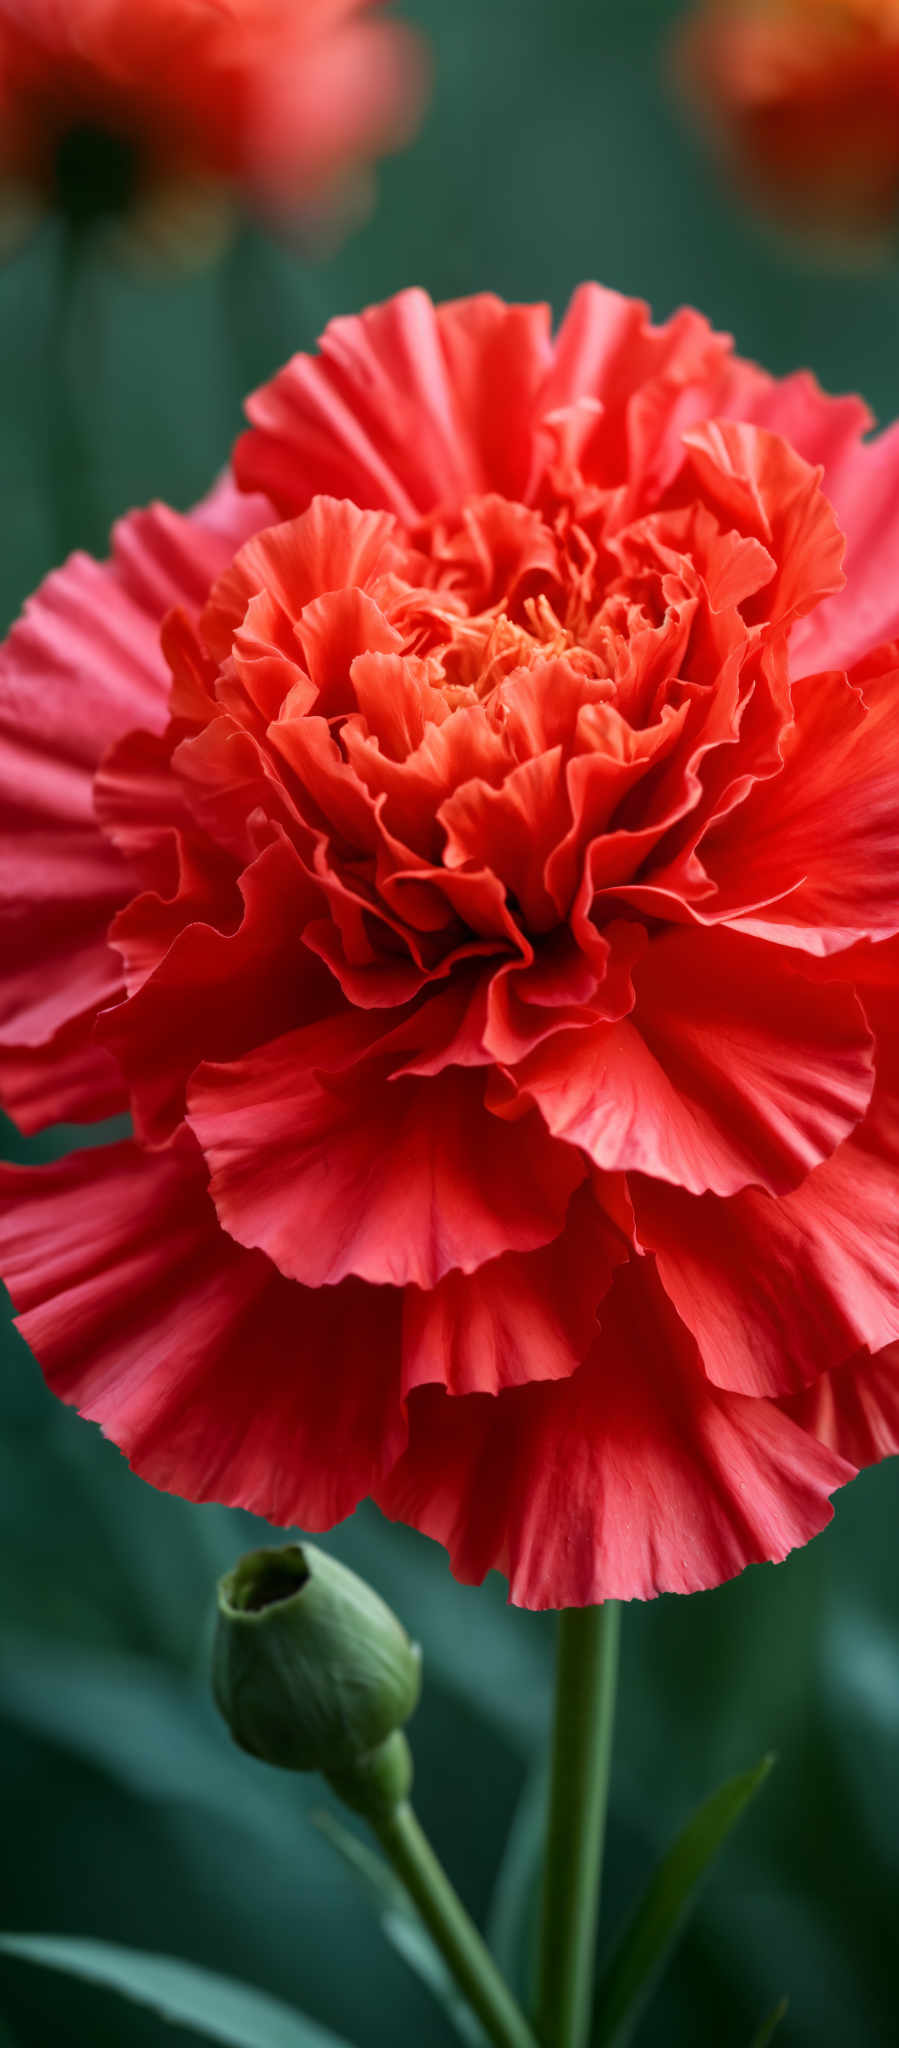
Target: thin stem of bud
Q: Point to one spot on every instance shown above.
(454, 1932)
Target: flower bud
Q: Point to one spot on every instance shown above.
(313, 1672)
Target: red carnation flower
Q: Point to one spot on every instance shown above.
(481, 885)
(113, 105)
(805, 96)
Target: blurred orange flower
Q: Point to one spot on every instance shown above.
(805, 94)
(111, 107)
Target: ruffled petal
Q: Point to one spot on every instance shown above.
(758, 484)
(826, 431)
(525, 1316)
(776, 1292)
(217, 1378)
(217, 992)
(512, 831)
(406, 1179)
(733, 1070)
(60, 887)
(57, 896)
(854, 1410)
(406, 406)
(647, 384)
(68, 1081)
(822, 837)
(861, 485)
(82, 667)
(332, 546)
(633, 1477)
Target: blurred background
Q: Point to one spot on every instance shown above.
(554, 150)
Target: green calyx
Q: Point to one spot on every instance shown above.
(376, 1784)
(313, 1672)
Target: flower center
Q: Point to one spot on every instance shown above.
(485, 648)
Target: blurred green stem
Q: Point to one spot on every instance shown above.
(67, 451)
(586, 1674)
(455, 1934)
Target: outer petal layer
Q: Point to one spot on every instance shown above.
(822, 837)
(776, 1292)
(83, 666)
(854, 1410)
(733, 1070)
(405, 1179)
(407, 406)
(861, 485)
(632, 1478)
(525, 1316)
(217, 1378)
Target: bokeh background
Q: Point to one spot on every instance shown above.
(553, 151)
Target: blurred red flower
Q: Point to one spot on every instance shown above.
(112, 106)
(805, 94)
(499, 862)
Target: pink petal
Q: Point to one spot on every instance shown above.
(141, 806)
(68, 1081)
(216, 992)
(733, 1069)
(821, 839)
(57, 895)
(529, 1001)
(406, 406)
(757, 483)
(82, 667)
(825, 430)
(512, 831)
(405, 1179)
(333, 546)
(855, 1409)
(776, 1292)
(651, 383)
(217, 1378)
(632, 1477)
(861, 485)
(525, 1316)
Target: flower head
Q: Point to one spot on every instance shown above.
(805, 96)
(470, 847)
(147, 108)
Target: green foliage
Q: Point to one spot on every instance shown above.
(648, 1940)
(198, 1999)
(512, 1920)
(400, 1923)
(769, 2026)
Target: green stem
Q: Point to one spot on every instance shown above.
(455, 1934)
(67, 442)
(586, 1674)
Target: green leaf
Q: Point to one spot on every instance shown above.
(639, 1958)
(768, 2026)
(180, 1992)
(401, 1924)
(510, 1921)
